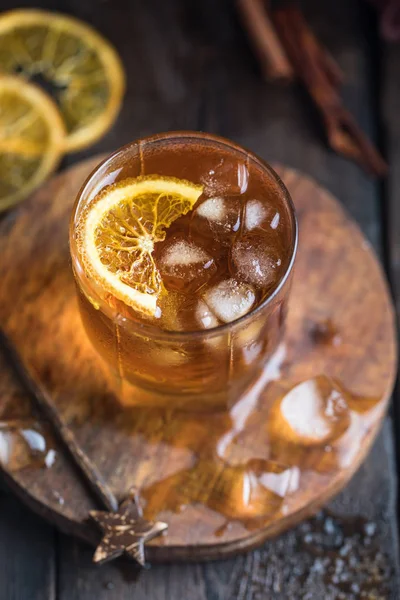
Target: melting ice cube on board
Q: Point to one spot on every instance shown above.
(255, 262)
(184, 265)
(312, 412)
(230, 300)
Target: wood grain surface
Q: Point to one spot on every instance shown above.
(194, 470)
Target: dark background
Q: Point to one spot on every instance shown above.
(189, 66)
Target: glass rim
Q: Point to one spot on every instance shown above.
(151, 330)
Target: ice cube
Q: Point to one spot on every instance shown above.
(205, 317)
(230, 177)
(255, 261)
(217, 218)
(183, 253)
(185, 266)
(230, 300)
(312, 412)
(255, 214)
(212, 209)
(250, 490)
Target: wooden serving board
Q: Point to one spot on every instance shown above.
(224, 482)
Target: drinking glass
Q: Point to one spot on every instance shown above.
(195, 370)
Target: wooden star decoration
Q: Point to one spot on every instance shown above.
(124, 532)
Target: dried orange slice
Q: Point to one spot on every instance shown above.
(82, 68)
(31, 138)
(117, 231)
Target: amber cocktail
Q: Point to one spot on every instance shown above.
(182, 247)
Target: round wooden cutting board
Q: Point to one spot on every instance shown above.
(224, 482)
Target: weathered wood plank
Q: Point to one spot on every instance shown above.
(27, 553)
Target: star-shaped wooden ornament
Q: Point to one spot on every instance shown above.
(125, 532)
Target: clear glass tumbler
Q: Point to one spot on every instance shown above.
(195, 370)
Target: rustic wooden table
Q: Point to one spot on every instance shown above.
(189, 66)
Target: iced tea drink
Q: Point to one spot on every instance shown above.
(182, 247)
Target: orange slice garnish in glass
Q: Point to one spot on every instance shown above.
(117, 231)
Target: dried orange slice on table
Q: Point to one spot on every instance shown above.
(117, 231)
(82, 68)
(32, 137)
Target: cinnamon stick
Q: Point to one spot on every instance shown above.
(321, 80)
(327, 63)
(272, 57)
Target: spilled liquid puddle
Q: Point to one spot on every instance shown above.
(244, 465)
(248, 463)
(25, 443)
(241, 492)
